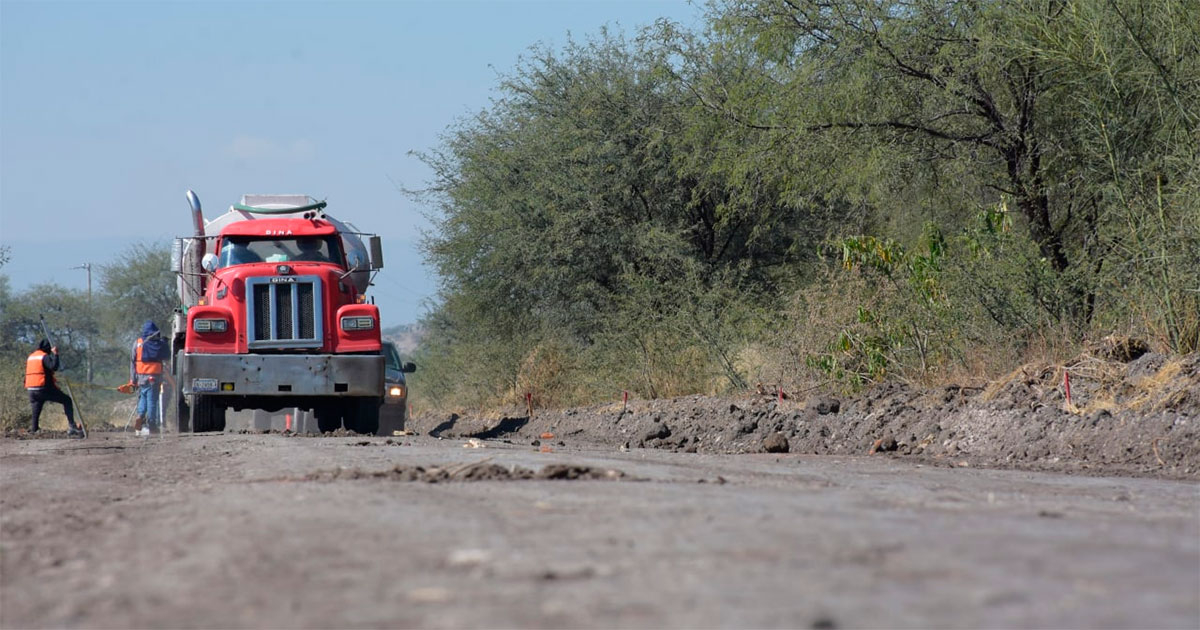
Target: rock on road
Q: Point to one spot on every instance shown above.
(241, 530)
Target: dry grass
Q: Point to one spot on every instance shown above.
(14, 402)
(1166, 389)
(541, 375)
(1032, 375)
(1099, 383)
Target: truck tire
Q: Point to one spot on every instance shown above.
(183, 415)
(362, 415)
(208, 415)
(329, 417)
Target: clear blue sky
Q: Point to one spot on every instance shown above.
(110, 111)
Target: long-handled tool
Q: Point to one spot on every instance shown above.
(127, 388)
(66, 381)
(161, 425)
(129, 420)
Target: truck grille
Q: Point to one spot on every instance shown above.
(284, 312)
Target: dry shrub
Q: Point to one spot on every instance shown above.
(14, 402)
(997, 360)
(758, 362)
(980, 364)
(1175, 384)
(1031, 376)
(1121, 348)
(671, 369)
(1100, 383)
(547, 373)
(810, 323)
(1171, 324)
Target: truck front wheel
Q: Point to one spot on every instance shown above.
(362, 415)
(208, 415)
(329, 417)
(183, 414)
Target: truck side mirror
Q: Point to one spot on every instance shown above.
(177, 255)
(409, 367)
(209, 262)
(376, 251)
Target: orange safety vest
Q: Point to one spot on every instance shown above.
(35, 370)
(145, 367)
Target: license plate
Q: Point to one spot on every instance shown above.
(204, 384)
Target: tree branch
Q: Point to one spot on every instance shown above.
(983, 139)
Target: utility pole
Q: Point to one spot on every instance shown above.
(88, 346)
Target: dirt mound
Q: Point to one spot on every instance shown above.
(1135, 417)
(22, 433)
(476, 471)
(43, 434)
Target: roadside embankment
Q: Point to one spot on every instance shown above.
(1138, 417)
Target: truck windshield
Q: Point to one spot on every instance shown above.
(239, 250)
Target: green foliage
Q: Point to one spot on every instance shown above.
(898, 321)
(66, 316)
(136, 286)
(581, 205)
(989, 175)
(1055, 105)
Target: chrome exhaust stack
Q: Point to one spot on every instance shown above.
(197, 219)
(186, 256)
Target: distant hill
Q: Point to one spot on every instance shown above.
(406, 337)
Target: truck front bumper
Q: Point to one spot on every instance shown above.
(282, 374)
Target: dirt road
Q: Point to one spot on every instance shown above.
(270, 531)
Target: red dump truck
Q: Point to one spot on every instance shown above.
(273, 315)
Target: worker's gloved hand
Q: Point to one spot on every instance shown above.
(127, 388)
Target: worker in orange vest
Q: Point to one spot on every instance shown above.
(39, 382)
(146, 371)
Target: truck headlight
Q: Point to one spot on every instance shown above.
(396, 391)
(357, 323)
(209, 325)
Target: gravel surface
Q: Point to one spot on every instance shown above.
(269, 530)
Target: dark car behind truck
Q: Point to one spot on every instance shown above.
(394, 412)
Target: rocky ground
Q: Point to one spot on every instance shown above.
(1139, 417)
(251, 530)
(814, 511)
